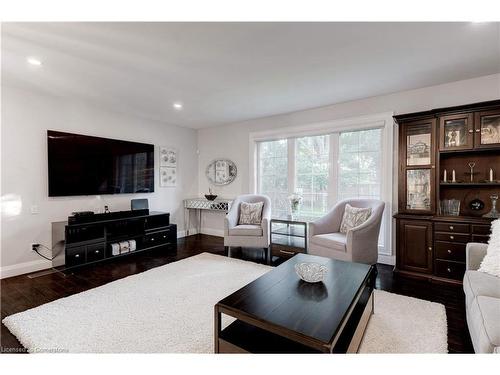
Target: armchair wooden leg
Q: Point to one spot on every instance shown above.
(267, 252)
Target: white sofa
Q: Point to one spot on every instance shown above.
(482, 302)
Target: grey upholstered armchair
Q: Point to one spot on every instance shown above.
(360, 244)
(247, 235)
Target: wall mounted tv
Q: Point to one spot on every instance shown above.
(84, 165)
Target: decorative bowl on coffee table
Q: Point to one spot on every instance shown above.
(311, 272)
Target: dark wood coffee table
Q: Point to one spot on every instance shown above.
(279, 313)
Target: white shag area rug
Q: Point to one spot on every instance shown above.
(169, 309)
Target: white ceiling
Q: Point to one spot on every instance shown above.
(230, 72)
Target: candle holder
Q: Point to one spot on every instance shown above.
(493, 212)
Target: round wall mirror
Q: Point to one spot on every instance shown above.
(221, 172)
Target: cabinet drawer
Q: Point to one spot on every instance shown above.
(480, 238)
(452, 237)
(451, 227)
(450, 270)
(481, 229)
(157, 238)
(95, 252)
(75, 256)
(450, 251)
(285, 251)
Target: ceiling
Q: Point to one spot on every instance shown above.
(231, 72)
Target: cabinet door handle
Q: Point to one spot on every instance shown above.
(77, 256)
(452, 238)
(478, 130)
(97, 251)
(471, 131)
(287, 252)
(449, 251)
(448, 269)
(430, 248)
(451, 227)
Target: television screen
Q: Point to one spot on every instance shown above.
(84, 165)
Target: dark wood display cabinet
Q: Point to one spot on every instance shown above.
(449, 168)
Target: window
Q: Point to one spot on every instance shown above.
(312, 162)
(273, 174)
(303, 165)
(326, 163)
(359, 164)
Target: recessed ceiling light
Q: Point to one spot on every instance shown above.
(177, 106)
(34, 61)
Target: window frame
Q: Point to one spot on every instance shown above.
(383, 121)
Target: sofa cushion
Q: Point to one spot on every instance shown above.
(484, 324)
(246, 230)
(491, 262)
(481, 284)
(335, 241)
(354, 217)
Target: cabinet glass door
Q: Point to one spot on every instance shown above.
(417, 166)
(455, 132)
(418, 145)
(418, 189)
(487, 133)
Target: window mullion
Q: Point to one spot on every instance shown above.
(333, 171)
(292, 183)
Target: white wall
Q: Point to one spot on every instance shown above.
(232, 141)
(26, 116)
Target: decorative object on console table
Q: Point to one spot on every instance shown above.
(430, 242)
(210, 196)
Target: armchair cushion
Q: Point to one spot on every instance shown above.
(334, 241)
(246, 230)
(354, 217)
(251, 213)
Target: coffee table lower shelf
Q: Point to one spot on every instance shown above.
(242, 337)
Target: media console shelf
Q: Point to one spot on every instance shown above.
(89, 239)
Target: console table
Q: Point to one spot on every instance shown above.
(200, 204)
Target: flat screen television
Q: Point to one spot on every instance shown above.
(85, 165)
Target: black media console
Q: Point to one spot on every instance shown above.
(90, 238)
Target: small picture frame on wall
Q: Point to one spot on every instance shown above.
(168, 157)
(168, 177)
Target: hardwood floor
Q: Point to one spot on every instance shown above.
(21, 292)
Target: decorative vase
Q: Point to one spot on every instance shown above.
(493, 212)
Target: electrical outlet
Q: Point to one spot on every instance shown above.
(35, 246)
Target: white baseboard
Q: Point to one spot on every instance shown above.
(26, 267)
(208, 231)
(386, 259)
